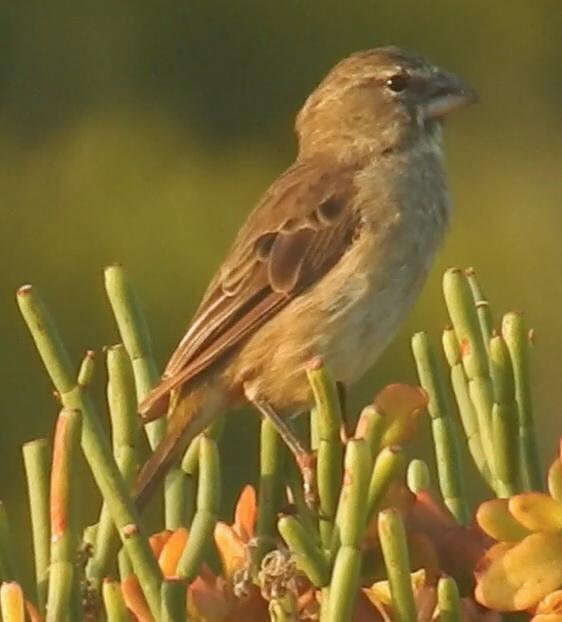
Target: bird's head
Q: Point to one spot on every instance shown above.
(378, 101)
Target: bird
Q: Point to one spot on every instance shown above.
(329, 261)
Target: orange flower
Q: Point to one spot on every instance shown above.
(210, 598)
(233, 540)
(219, 598)
(171, 552)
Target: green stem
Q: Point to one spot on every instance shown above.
(516, 337)
(271, 463)
(371, 426)
(122, 403)
(306, 515)
(36, 458)
(208, 503)
(418, 476)
(504, 419)
(449, 601)
(309, 557)
(178, 489)
(351, 515)
(482, 305)
(64, 526)
(124, 564)
(94, 444)
(313, 429)
(394, 547)
(344, 586)
(190, 467)
(460, 304)
(329, 463)
(135, 336)
(444, 437)
(324, 603)
(173, 593)
(115, 608)
(181, 483)
(61, 579)
(283, 608)
(554, 479)
(87, 369)
(467, 412)
(389, 465)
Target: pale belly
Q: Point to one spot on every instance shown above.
(347, 318)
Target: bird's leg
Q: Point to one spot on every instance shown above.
(306, 460)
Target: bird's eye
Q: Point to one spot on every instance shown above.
(397, 82)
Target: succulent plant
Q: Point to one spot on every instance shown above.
(378, 544)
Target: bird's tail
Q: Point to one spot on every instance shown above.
(193, 412)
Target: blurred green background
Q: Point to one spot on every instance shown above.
(143, 132)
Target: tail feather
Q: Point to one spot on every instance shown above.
(193, 413)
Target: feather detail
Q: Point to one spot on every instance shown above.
(302, 227)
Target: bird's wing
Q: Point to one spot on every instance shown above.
(300, 229)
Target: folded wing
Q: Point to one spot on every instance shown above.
(300, 229)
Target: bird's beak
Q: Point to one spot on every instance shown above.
(447, 92)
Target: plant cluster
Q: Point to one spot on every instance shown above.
(378, 543)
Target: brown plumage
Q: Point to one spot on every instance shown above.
(329, 260)
(305, 232)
